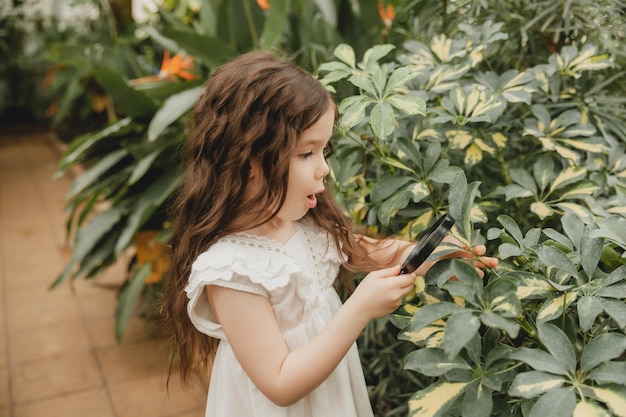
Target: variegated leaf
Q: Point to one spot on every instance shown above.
(615, 400)
(533, 383)
(554, 307)
(435, 399)
(588, 409)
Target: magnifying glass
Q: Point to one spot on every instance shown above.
(427, 245)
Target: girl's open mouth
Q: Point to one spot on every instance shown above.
(311, 201)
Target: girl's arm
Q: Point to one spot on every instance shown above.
(286, 376)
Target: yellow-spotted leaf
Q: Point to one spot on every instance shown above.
(585, 146)
(530, 285)
(459, 139)
(616, 401)
(420, 191)
(581, 190)
(554, 307)
(585, 215)
(499, 139)
(435, 399)
(541, 209)
(473, 155)
(532, 383)
(422, 336)
(568, 176)
(484, 147)
(587, 409)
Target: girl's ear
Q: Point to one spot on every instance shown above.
(256, 169)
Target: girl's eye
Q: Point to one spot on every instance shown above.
(328, 150)
(305, 155)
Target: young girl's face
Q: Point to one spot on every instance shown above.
(308, 168)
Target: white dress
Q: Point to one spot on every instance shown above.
(297, 277)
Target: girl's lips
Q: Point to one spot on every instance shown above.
(311, 201)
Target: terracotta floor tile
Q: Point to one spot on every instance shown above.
(51, 341)
(99, 304)
(5, 400)
(43, 313)
(102, 331)
(53, 376)
(133, 361)
(91, 403)
(149, 397)
(5, 412)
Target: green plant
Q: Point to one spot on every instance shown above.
(435, 127)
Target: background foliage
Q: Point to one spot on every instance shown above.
(508, 114)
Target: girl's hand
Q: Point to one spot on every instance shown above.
(474, 255)
(381, 292)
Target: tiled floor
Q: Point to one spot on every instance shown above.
(58, 354)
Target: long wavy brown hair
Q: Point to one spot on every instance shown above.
(254, 106)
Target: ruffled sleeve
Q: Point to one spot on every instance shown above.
(240, 267)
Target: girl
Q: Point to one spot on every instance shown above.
(256, 247)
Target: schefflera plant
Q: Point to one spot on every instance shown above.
(544, 336)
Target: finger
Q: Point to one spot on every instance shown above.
(479, 250)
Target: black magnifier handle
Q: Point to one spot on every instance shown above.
(427, 245)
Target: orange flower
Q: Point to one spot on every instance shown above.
(263, 4)
(387, 14)
(178, 65)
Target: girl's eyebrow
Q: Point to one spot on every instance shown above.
(311, 141)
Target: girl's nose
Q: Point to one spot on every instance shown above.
(323, 168)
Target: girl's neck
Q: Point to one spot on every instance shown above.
(275, 229)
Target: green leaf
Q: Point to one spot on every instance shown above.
(147, 202)
(382, 120)
(345, 53)
(411, 105)
(602, 348)
(559, 402)
(511, 227)
(477, 401)
(131, 102)
(77, 148)
(172, 109)
(433, 362)
(460, 329)
(432, 312)
(533, 383)
(364, 83)
(352, 110)
(435, 399)
(375, 53)
(386, 186)
(496, 321)
(94, 172)
(275, 24)
(554, 307)
(558, 345)
(588, 309)
(609, 373)
(555, 258)
(617, 310)
(390, 207)
(128, 299)
(539, 360)
(614, 291)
